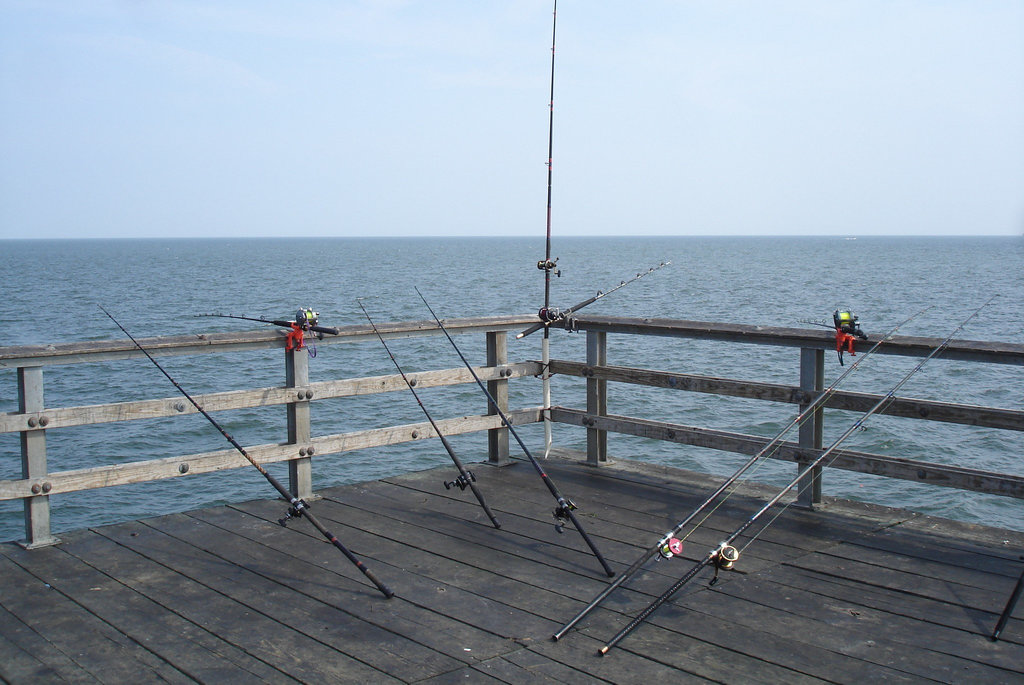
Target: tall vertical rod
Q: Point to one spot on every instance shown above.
(548, 266)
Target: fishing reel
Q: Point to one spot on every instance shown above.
(671, 548)
(561, 513)
(306, 318)
(462, 482)
(846, 328)
(724, 558)
(550, 314)
(848, 322)
(294, 512)
(550, 266)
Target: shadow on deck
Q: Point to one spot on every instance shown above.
(847, 593)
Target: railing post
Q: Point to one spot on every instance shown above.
(597, 398)
(812, 379)
(300, 471)
(33, 459)
(497, 438)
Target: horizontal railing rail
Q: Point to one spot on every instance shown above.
(12, 422)
(209, 462)
(267, 338)
(962, 350)
(948, 412)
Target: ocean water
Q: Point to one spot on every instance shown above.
(156, 287)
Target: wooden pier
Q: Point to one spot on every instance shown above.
(833, 591)
(844, 593)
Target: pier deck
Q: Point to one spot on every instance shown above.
(846, 593)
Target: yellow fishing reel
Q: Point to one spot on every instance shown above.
(723, 559)
(726, 556)
(306, 318)
(848, 322)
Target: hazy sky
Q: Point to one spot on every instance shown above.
(338, 118)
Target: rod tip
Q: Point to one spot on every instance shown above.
(602, 651)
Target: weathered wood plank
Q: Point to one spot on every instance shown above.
(567, 587)
(847, 592)
(888, 577)
(622, 526)
(266, 587)
(200, 654)
(316, 576)
(521, 578)
(280, 644)
(62, 417)
(920, 611)
(845, 620)
(26, 657)
(209, 462)
(967, 350)
(959, 477)
(904, 407)
(77, 642)
(857, 644)
(476, 622)
(266, 338)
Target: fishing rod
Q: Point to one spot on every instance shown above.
(547, 266)
(549, 315)
(466, 477)
(1008, 609)
(668, 546)
(298, 508)
(565, 507)
(305, 320)
(725, 555)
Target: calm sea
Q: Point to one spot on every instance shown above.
(155, 287)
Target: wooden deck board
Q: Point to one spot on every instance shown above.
(845, 593)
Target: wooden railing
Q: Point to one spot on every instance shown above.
(812, 344)
(33, 419)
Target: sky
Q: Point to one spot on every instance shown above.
(229, 118)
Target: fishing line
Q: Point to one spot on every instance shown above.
(299, 507)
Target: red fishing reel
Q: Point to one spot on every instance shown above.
(671, 548)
